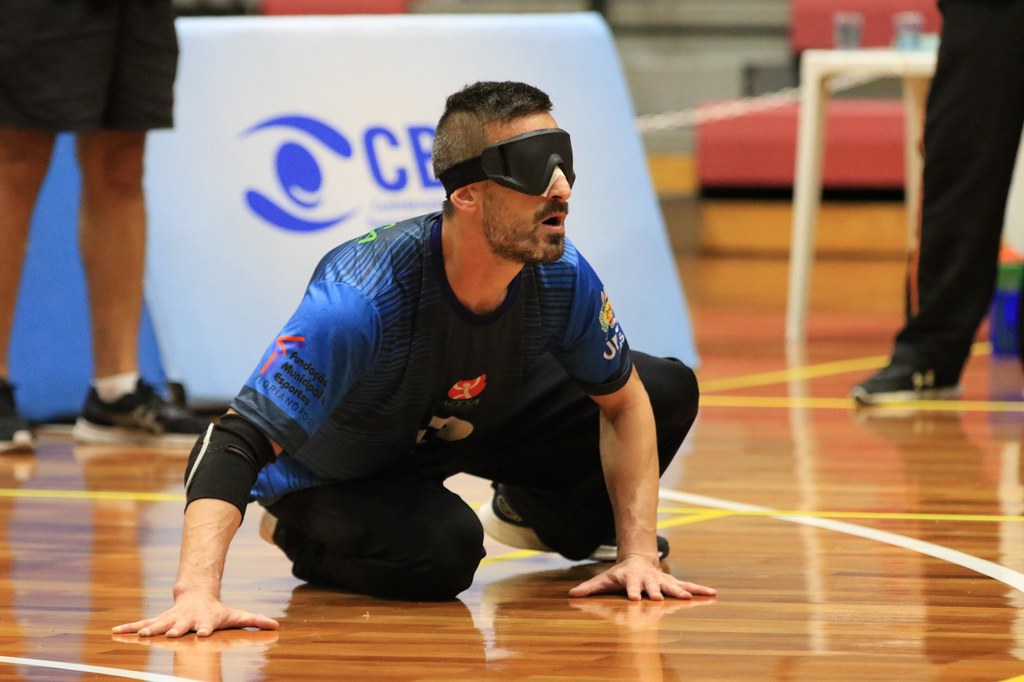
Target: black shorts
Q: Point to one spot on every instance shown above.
(82, 65)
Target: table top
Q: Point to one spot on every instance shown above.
(880, 61)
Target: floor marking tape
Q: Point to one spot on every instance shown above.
(849, 404)
(813, 371)
(697, 515)
(111, 672)
(91, 495)
(884, 516)
(794, 373)
(1003, 574)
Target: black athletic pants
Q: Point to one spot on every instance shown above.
(972, 132)
(403, 535)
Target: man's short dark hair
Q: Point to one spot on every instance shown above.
(461, 130)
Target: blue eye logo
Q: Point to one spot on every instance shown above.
(299, 175)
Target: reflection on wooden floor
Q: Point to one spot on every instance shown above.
(846, 545)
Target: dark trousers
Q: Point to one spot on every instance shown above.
(972, 132)
(404, 535)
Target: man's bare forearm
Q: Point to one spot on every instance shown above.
(209, 527)
(629, 457)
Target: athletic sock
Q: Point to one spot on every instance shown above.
(113, 388)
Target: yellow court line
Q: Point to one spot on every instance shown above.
(696, 515)
(90, 495)
(794, 373)
(764, 379)
(685, 514)
(776, 401)
(813, 371)
(509, 556)
(850, 404)
(689, 514)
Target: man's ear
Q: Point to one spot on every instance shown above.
(467, 197)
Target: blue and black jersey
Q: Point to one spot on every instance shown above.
(380, 355)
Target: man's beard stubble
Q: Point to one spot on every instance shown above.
(524, 243)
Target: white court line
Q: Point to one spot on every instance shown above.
(112, 672)
(992, 570)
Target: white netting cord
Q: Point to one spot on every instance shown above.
(721, 111)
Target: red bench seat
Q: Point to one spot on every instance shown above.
(863, 148)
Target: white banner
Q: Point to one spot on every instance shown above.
(1013, 230)
(294, 134)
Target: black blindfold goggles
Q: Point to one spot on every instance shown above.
(528, 163)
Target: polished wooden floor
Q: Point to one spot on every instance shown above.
(845, 544)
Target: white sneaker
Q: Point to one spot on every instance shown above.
(268, 524)
(505, 526)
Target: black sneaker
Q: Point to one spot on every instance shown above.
(139, 418)
(15, 433)
(900, 383)
(505, 525)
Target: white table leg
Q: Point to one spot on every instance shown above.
(806, 198)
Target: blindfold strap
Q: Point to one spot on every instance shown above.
(462, 174)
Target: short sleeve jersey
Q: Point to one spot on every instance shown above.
(380, 355)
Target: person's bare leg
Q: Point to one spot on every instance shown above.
(24, 160)
(112, 241)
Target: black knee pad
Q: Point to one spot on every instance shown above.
(685, 381)
(673, 391)
(456, 547)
